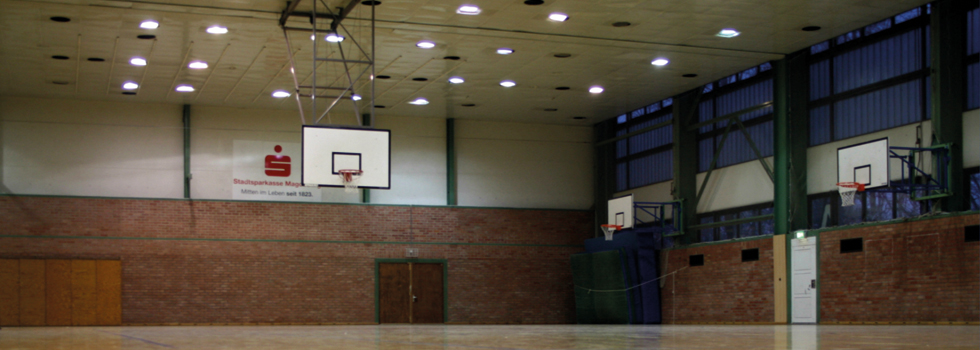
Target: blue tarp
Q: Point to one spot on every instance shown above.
(640, 249)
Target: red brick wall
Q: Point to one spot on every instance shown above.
(725, 289)
(245, 262)
(908, 272)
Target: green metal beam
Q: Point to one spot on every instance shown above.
(781, 127)
(948, 30)
(714, 162)
(685, 161)
(365, 192)
(797, 122)
(604, 185)
(738, 221)
(731, 115)
(187, 151)
(755, 148)
(634, 133)
(450, 161)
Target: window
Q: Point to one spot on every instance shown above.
(645, 158)
(871, 79)
(743, 230)
(869, 206)
(973, 59)
(972, 186)
(750, 88)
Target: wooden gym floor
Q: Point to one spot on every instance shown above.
(494, 337)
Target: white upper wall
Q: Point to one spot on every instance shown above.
(524, 165)
(418, 161)
(91, 148)
(971, 138)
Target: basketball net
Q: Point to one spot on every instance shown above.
(350, 178)
(847, 192)
(609, 230)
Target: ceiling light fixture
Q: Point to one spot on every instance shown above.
(456, 80)
(184, 88)
(137, 61)
(425, 44)
(558, 17)
(596, 90)
(149, 24)
(508, 83)
(468, 10)
(197, 65)
(217, 30)
(334, 38)
(130, 85)
(60, 19)
(419, 102)
(355, 97)
(280, 94)
(660, 62)
(728, 33)
(505, 51)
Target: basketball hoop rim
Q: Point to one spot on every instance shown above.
(855, 185)
(615, 227)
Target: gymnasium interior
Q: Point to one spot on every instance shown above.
(489, 174)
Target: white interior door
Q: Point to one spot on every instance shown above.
(804, 279)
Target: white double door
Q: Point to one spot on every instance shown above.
(804, 280)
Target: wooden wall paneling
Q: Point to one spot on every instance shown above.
(9, 292)
(109, 292)
(84, 302)
(57, 290)
(779, 277)
(32, 292)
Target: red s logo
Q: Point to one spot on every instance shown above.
(277, 165)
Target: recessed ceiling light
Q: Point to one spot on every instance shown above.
(60, 82)
(578, 118)
(468, 105)
(146, 36)
(96, 59)
(420, 79)
(379, 106)
(59, 57)
(149, 24)
(456, 80)
(383, 77)
(60, 19)
(130, 85)
(334, 38)
(425, 44)
(551, 109)
(197, 65)
(508, 83)
(621, 24)
(137, 61)
(184, 88)
(451, 58)
(563, 88)
(419, 102)
(280, 94)
(468, 10)
(558, 17)
(129, 93)
(811, 28)
(728, 33)
(690, 75)
(370, 3)
(505, 51)
(563, 55)
(660, 62)
(533, 2)
(217, 30)
(596, 90)
(355, 97)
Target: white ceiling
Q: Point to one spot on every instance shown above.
(252, 60)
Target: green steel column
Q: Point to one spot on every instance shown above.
(948, 32)
(798, 72)
(187, 151)
(366, 193)
(781, 126)
(604, 172)
(686, 160)
(451, 161)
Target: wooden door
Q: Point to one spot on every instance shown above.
(411, 293)
(395, 299)
(427, 293)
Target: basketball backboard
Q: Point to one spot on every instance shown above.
(865, 163)
(329, 149)
(621, 211)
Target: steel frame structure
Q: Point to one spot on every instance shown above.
(347, 92)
